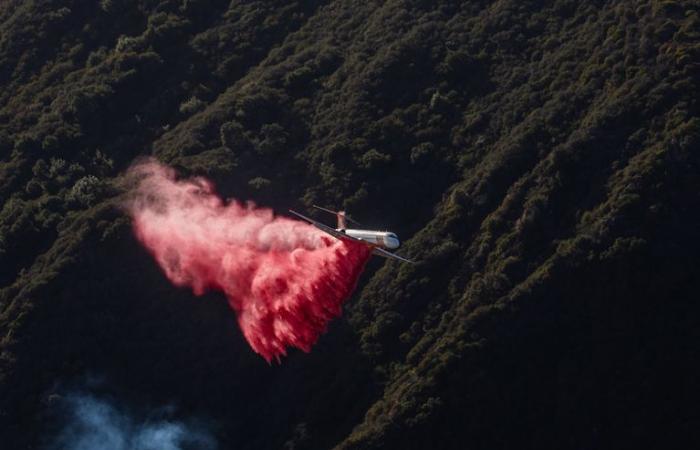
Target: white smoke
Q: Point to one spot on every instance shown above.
(94, 423)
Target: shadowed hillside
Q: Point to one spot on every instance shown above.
(539, 159)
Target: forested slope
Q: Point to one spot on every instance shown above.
(540, 160)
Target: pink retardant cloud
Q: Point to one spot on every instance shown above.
(284, 278)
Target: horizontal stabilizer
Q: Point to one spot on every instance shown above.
(323, 227)
(338, 213)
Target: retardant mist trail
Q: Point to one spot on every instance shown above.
(284, 278)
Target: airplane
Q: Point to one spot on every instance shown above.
(378, 240)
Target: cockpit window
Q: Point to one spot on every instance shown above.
(392, 235)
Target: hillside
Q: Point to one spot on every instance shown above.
(539, 160)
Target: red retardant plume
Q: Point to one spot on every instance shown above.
(284, 278)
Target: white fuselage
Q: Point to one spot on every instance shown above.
(384, 239)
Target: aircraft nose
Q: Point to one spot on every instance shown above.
(391, 242)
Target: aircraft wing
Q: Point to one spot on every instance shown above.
(323, 227)
(381, 252)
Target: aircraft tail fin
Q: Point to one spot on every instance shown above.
(340, 215)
